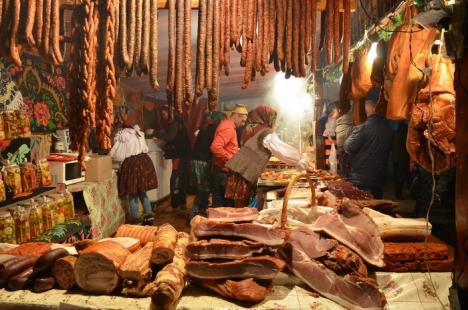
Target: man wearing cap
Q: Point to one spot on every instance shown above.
(369, 146)
(223, 147)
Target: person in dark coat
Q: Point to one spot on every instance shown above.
(177, 148)
(200, 162)
(369, 146)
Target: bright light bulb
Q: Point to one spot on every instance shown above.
(372, 54)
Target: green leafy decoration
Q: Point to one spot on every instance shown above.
(333, 73)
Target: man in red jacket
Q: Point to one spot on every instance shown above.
(223, 147)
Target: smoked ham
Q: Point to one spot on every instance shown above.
(164, 245)
(247, 290)
(408, 51)
(351, 290)
(441, 138)
(258, 267)
(167, 288)
(355, 229)
(63, 272)
(143, 233)
(136, 271)
(202, 227)
(96, 270)
(360, 75)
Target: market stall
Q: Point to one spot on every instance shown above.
(103, 101)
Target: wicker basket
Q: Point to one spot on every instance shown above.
(292, 182)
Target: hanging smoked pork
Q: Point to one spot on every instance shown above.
(360, 75)
(431, 130)
(407, 54)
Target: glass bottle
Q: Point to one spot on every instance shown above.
(7, 228)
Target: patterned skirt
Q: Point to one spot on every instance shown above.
(137, 175)
(237, 187)
(200, 175)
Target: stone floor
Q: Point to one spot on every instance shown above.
(177, 218)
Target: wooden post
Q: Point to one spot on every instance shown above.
(461, 200)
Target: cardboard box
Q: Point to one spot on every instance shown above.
(98, 168)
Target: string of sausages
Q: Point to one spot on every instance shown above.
(136, 38)
(105, 104)
(92, 73)
(278, 32)
(30, 23)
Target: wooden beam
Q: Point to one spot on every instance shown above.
(461, 194)
(163, 4)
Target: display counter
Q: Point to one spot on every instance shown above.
(163, 171)
(402, 290)
(104, 206)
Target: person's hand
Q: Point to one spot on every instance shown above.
(302, 165)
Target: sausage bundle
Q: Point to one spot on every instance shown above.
(136, 38)
(33, 23)
(92, 73)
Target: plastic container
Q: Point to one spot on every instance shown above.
(22, 230)
(48, 212)
(7, 228)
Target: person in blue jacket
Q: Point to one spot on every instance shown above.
(369, 146)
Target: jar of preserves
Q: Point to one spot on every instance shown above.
(2, 190)
(48, 212)
(59, 206)
(22, 230)
(44, 168)
(7, 228)
(12, 177)
(28, 177)
(23, 123)
(69, 206)
(2, 129)
(35, 218)
(10, 125)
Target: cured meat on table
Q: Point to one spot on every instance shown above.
(391, 227)
(258, 267)
(202, 227)
(355, 229)
(417, 256)
(164, 245)
(143, 233)
(248, 290)
(225, 249)
(136, 271)
(167, 288)
(232, 215)
(351, 290)
(96, 270)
